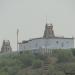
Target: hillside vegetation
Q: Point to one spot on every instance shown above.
(60, 62)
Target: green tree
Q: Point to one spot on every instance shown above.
(54, 71)
(63, 55)
(37, 63)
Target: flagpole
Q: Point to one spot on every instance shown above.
(17, 39)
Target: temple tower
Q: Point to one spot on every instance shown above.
(6, 46)
(48, 33)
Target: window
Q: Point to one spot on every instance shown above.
(36, 45)
(24, 47)
(57, 42)
(62, 44)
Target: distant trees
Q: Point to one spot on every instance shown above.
(73, 51)
(37, 63)
(63, 55)
(26, 63)
(54, 71)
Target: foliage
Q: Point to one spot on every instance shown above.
(37, 63)
(26, 63)
(73, 51)
(63, 55)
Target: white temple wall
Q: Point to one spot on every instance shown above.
(56, 43)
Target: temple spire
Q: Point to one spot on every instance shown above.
(48, 33)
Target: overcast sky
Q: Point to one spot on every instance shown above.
(30, 17)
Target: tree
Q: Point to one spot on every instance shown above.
(63, 55)
(54, 71)
(37, 63)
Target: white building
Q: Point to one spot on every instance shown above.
(48, 41)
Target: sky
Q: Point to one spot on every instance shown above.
(29, 16)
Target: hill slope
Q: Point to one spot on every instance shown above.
(60, 62)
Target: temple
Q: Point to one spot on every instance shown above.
(48, 42)
(6, 46)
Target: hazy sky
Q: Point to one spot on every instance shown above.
(30, 17)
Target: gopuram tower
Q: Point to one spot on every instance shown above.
(48, 33)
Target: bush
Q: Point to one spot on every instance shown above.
(63, 55)
(36, 63)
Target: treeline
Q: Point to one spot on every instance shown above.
(60, 62)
